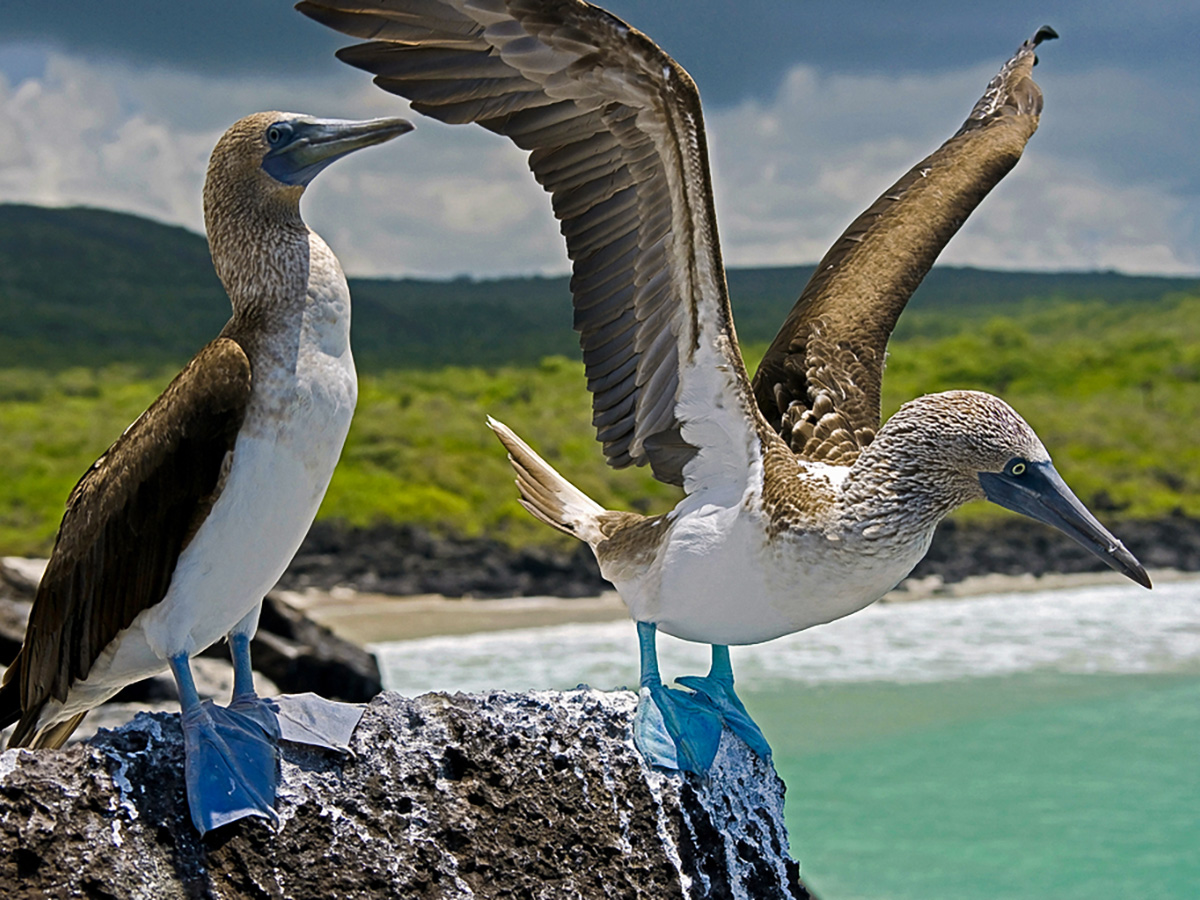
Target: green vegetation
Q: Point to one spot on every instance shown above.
(1113, 391)
(1106, 368)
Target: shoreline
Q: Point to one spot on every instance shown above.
(367, 618)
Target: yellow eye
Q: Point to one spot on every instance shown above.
(1018, 468)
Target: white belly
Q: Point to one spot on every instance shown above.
(719, 580)
(281, 468)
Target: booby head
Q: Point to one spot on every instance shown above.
(985, 450)
(268, 158)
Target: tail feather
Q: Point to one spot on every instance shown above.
(547, 495)
(27, 733)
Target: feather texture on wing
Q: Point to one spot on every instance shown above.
(615, 134)
(819, 383)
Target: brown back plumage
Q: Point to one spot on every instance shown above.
(819, 383)
(127, 521)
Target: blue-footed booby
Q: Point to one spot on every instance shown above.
(798, 507)
(174, 535)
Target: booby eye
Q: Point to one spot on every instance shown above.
(278, 133)
(1017, 467)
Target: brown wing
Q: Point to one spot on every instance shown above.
(819, 383)
(126, 523)
(617, 138)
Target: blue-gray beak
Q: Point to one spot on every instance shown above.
(302, 147)
(1040, 493)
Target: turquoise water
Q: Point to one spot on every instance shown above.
(1042, 745)
(1036, 785)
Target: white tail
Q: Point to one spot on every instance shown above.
(546, 494)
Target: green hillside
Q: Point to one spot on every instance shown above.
(101, 309)
(91, 287)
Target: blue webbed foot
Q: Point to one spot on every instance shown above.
(673, 729)
(306, 718)
(676, 729)
(300, 718)
(717, 687)
(728, 707)
(231, 767)
(682, 729)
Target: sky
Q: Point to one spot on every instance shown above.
(813, 107)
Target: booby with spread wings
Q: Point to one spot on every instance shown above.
(798, 507)
(173, 536)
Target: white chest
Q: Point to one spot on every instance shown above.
(719, 578)
(304, 390)
(304, 394)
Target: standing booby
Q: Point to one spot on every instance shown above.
(798, 507)
(173, 536)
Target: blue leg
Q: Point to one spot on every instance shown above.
(299, 718)
(231, 760)
(717, 686)
(673, 729)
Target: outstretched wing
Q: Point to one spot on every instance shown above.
(127, 521)
(616, 136)
(819, 383)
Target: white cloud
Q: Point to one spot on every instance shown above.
(790, 173)
(793, 173)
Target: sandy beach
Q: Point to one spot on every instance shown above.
(367, 618)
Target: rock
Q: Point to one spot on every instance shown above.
(404, 559)
(492, 795)
(19, 577)
(14, 616)
(1015, 546)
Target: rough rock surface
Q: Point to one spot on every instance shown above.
(492, 795)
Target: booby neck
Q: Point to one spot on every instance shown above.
(261, 250)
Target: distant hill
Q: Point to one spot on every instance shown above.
(90, 287)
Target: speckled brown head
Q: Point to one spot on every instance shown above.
(942, 450)
(956, 435)
(261, 165)
(268, 158)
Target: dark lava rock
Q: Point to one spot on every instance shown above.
(406, 559)
(1016, 546)
(496, 795)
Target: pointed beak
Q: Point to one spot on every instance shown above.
(1041, 494)
(315, 143)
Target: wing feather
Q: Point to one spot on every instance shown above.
(819, 382)
(616, 136)
(127, 521)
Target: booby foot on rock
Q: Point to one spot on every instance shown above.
(717, 688)
(673, 729)
(299, 718)
(231, 764)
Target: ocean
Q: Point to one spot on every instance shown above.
(1025, 745)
